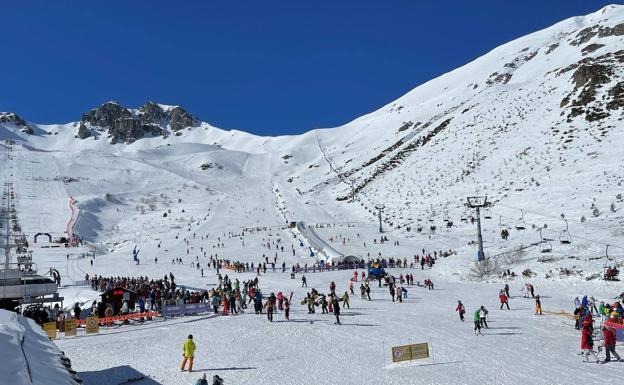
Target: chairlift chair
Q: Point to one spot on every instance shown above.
(546, 246)
(520, 224)
(487, 213)
(565, 237)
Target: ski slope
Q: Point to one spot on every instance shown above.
(497, 126)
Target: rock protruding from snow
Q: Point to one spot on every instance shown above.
(15, 120)
(123, 125)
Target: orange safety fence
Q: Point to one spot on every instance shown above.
(560, 313)
(107, 320)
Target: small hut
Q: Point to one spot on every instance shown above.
(117, 296)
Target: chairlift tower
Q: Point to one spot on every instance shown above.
(478, 202)
(380, 208)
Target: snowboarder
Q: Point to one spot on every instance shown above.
(188, 350)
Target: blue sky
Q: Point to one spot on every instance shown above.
(267, 67)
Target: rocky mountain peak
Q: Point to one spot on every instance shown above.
(125, 125)
(16, 120)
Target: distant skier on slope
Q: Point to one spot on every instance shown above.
(483, 312)
(461, 309)
(504, 300)
(336, 307)
(477, 322)
(538, 306)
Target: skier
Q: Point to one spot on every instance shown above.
(345, 300)
(507, 290)
(609, 344)
(477, 322)
(368, 292)
(336, 306)
(504, 300)
(304, 281)
(587, 342)
(483, 312)
(188, 350)
(270, 305)
(461, 309)
(286, 309)
(538, 306)
(280, 300)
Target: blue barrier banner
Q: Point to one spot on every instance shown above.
(184, 309)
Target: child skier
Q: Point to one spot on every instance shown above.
(587, 342)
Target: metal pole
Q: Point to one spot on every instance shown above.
(481, 256)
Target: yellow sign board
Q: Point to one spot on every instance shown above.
(420, 351)
(70, 328)
(92, 325)
(50, 329)
(410, 352)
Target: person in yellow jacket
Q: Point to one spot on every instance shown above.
(188, 352)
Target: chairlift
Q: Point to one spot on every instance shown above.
(611, 272)
(565, 237)
(487, 214)
(546, 246)
(520, 224)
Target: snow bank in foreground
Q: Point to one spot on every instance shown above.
(28, 356)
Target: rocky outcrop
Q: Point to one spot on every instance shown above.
(180, 119)
(122, 125)
(152, 113)
(83, 131)
(17, 121)
(105, 115)
(126, 129)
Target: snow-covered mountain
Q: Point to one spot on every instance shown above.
(535, 124)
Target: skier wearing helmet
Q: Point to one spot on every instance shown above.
(188, 350)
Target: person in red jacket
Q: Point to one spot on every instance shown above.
(587, 342)
(504, 300)
(461, 309)
(609, 343)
